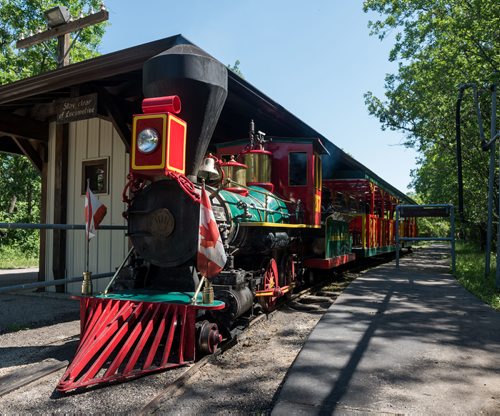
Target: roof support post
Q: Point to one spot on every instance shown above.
(60, 201)
(43, 220)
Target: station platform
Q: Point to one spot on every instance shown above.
(407, 342)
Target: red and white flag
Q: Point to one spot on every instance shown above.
(211, 254)
(95, 211)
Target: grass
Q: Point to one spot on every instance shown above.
(470, 274)
(12, 258)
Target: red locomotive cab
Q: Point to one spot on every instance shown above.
(297, 173)
(158, 138)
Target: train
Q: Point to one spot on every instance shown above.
(280, 216)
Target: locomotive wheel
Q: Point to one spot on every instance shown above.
(271, 277)
(208, 337)
(289, 273)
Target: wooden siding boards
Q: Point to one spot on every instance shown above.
(91, 139)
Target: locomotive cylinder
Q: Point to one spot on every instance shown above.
(237, 301)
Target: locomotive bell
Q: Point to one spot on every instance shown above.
(208, 170)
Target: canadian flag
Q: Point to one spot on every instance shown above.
(95, 211)
(211, 255)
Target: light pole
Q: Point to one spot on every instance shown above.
(60, 25)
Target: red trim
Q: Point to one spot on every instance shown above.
(266, 152)
(234, 163)
(240, 191)
(330, 263)
(266, 185)
(168, 104)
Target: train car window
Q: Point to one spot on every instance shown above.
(297, 168)
(97, 172)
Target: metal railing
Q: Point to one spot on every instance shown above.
(55, 282)
(415, 213)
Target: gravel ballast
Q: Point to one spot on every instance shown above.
(242, 380)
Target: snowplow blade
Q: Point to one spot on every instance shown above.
(125, 339)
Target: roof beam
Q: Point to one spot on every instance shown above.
(116, 109)
(8, 145)
(26, 128)
(30, 152)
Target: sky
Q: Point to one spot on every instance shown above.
(314, 57)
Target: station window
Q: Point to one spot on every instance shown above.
(96, 171)
(297, 168)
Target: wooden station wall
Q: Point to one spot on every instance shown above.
(89, 139)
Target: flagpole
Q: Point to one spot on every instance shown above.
(87, 235)
(87, 276)
(198, 289)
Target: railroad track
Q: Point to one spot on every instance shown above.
(36, 370)
(314, 299)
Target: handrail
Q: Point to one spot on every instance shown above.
(56, 282)
(31, 226)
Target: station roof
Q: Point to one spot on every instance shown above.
(31, 103)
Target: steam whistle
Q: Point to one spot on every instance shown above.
(257, 140)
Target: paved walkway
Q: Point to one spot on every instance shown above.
(413, 342)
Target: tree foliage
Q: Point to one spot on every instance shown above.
(19, 201)
(236, 68)
(20, 185)
(22, 17)
(439, 45)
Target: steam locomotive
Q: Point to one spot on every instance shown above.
(279, 220)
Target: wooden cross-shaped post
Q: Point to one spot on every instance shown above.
(62, 33)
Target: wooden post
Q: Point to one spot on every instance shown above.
(60, 202)
(63, 43)
(43, 220)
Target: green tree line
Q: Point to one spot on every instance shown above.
(438, 46)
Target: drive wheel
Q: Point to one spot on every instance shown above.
(288, 274)
(271, 277)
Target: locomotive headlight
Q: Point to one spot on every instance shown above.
(147, 140)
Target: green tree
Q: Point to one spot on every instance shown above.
(19, 201)
(21, 17)
(19, 181)
(439, 45)
(236, 68)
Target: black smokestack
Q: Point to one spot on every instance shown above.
(201, 83)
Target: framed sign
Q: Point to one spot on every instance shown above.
(74, 109)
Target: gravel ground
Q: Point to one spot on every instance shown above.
(245, 378)
(242, 380)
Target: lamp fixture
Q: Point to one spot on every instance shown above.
(57, 16)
